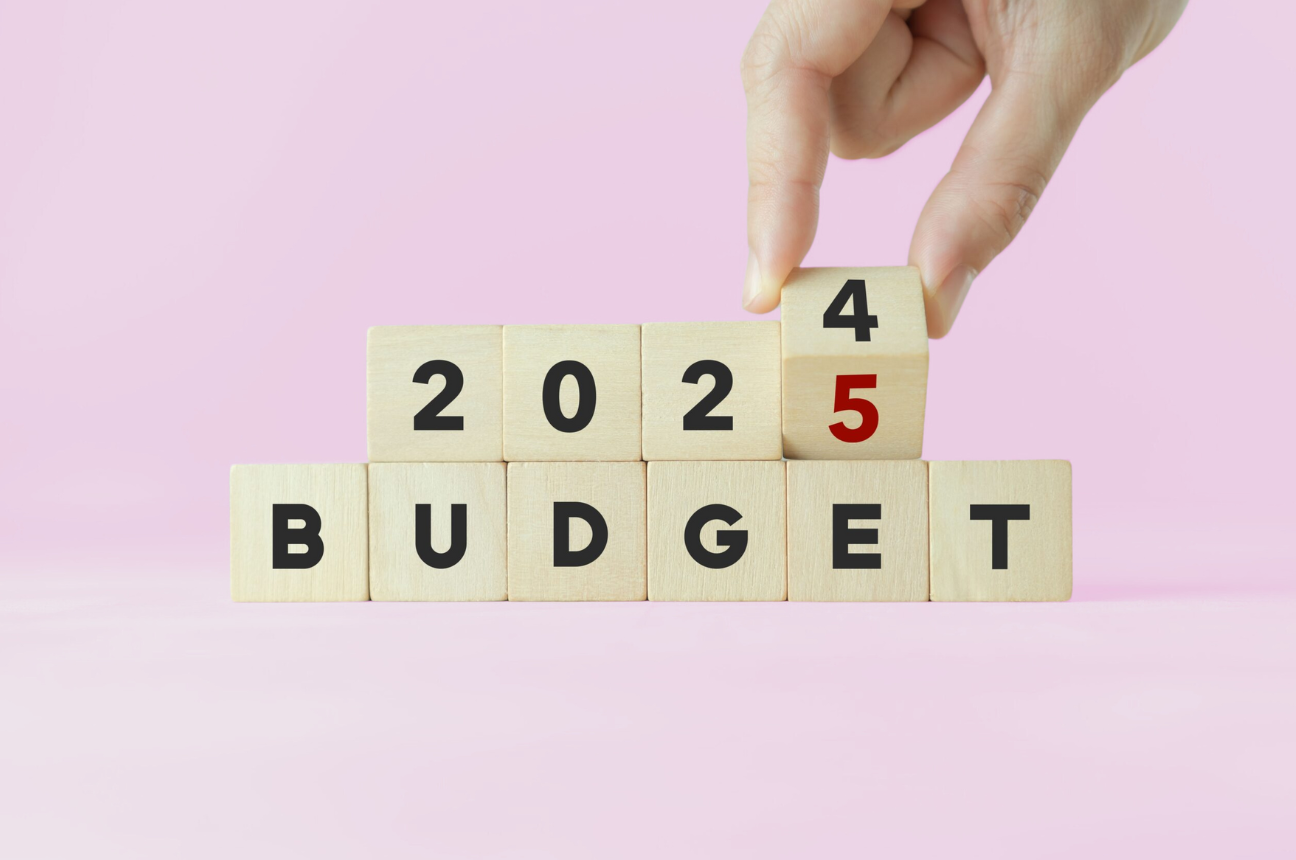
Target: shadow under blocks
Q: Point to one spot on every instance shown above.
(628, 462)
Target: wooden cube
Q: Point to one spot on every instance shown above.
(1001, 530)
(716, 531)
(576, 531)
(435, 393)
(571, 392)
(857, 530)
(711, 391)
(437, 531)
(854, 364)
(298, 533)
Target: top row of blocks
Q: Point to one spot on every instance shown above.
(842, 376)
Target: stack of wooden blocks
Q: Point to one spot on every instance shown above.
(626, 462)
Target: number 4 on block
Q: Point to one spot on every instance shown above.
(854, 364)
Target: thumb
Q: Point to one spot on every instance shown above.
(997, 177)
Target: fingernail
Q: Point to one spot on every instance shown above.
(752, 283)
(953, 290)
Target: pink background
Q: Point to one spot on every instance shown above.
(202, 208)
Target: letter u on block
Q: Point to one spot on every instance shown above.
(437, 531)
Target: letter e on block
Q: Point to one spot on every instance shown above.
(857, 530)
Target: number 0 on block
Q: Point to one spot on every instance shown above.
(854, 364)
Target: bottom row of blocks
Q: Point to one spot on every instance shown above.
(899, 530)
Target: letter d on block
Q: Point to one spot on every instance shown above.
(563, 555)
(285, 536)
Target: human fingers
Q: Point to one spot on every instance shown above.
(912, 76)
(798, 48)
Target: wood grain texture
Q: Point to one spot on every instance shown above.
(814, 356)
(617, 490)
(751, 352)
(396, 572)
(337, 493)
(899, 487)
(396, 353)
(756, 490)
(1038, 549)
(611, 352)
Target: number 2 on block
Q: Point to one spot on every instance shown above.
(843, 402)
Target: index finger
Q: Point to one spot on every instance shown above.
(798, 48)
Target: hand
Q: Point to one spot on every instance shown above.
(861, 77)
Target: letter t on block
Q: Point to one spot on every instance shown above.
(1001, 530)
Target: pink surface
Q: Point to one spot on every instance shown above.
(203, 206)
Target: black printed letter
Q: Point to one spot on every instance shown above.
(735, 541)
(285, 536)
(458, 536)
(843, 537)
(999, 515)
(563, 555)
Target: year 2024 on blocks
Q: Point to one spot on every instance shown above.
(508, 463)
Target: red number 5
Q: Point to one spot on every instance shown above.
(843, 402)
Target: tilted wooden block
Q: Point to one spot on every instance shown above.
(854, 364)
(1001, 530)
(298, 533)
(576, 531)
(716, 531)
(436, 393)
(437, 531)
(711, 391)
(571, 392)
(857, 530)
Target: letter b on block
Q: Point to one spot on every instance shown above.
(854, 364)
(287, 536)
(298, 533)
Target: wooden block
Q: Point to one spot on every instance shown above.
(854, 364)
(576, 531)
(298, 533)
(857, 530)
(435, 393)
(437, 531)
(711, 391)
(571, 392)
(1001, 530)
(716, 531)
